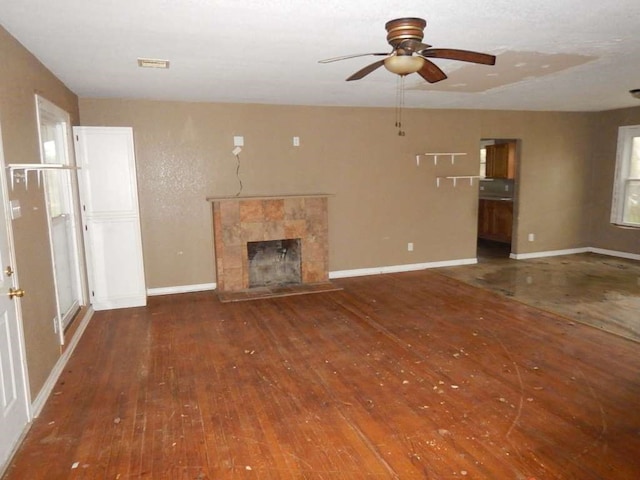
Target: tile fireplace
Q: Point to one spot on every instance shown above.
(270, 245)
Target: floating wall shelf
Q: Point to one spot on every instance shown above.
(455, 179)
(452, 156)
(25, 168)
(435, 156)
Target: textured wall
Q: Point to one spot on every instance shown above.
(381, 199)
(21, 77)
(604, 143)
(552, 176)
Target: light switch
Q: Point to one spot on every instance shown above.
(296, 141)
(16, 212)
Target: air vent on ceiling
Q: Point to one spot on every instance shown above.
(153, 63)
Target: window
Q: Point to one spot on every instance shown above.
(626, 190)
(483, 162)
(483, 156)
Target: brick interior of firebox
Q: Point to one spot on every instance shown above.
(274, 262)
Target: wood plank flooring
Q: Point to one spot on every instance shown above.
(408, 376)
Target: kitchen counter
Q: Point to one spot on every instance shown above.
(496, 197)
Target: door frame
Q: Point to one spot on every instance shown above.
(513, 245)
(44, 106)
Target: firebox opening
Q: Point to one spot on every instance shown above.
(274, 262)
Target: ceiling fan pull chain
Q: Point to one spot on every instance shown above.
(400, 104)
(397, 106)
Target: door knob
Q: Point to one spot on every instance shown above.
(16, 292)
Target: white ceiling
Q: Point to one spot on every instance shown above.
(569, 55)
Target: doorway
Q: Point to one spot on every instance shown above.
(63, 214)
(497, 197)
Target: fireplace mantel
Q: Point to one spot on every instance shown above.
(240, 220)
(268, 197)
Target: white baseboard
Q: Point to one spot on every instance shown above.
(181, 289)
(400, 268)
(548, 253)
(122, 302)
(572, 251)
(408, 268)
(614, 253)
(45, 391)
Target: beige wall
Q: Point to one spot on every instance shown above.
(552, 176)
(381, 201)
(22, 76)
(604, 138)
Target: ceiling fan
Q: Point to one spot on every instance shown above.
(410, 55)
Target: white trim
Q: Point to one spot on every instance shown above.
(181, 289)
(549, 253)
(360, 272)
(401, 268)
(49, 114)
(614, 253)
(45, 391)
(571, 251)
(624, 156)
(122, 302)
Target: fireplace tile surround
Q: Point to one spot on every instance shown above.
(239, 220)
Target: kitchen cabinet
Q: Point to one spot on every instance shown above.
(501, 160)
(495, 220)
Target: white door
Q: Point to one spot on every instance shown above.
(109, 199)
(14, 409)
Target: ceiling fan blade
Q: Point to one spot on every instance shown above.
(366, 70)
(431, 72)
(462, 55)
(345, 57)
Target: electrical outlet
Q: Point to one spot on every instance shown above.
(531, 237)
(296, 141)
(238, 141)
(410, 247)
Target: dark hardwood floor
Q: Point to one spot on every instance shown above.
(409, 376)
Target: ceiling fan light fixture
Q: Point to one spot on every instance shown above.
(403, 64)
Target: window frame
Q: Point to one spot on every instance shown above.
(623, 178)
